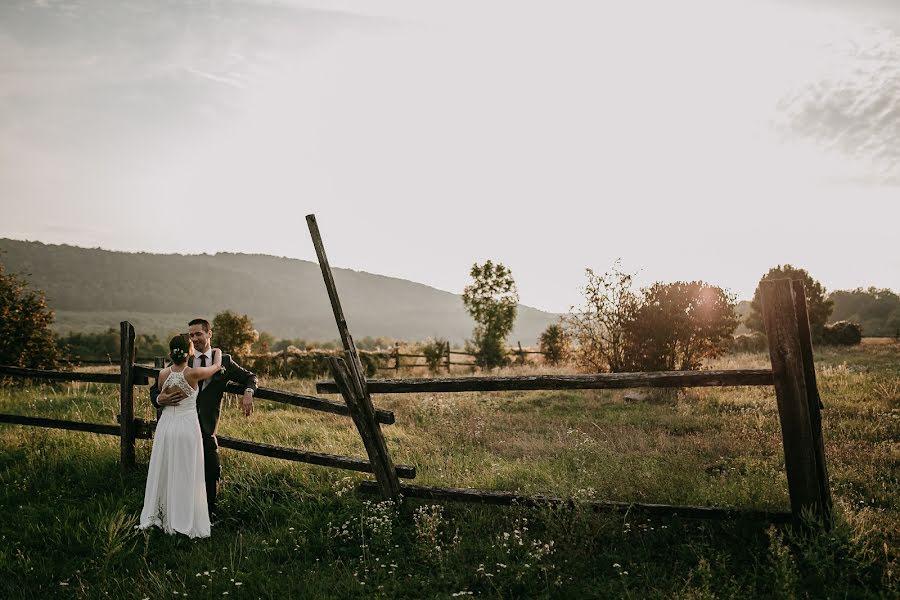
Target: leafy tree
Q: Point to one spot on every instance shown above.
(599, 328)
(554, 343)
(679, 324)
(234, 333)
(25, 336)
(491, 299)
(817, 305)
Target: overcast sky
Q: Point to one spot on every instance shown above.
(703, 139)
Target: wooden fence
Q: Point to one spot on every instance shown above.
(129, 428)
(792, 375)
(446, 362)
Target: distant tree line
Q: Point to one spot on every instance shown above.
(665, 326)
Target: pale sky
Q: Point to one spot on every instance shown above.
(701, 139)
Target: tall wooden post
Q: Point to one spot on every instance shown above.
(786, 353)
(396, 358)
(448, 356)
(126, 394)
(350, 378)
(814, 402)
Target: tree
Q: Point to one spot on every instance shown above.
(817, 305)
(554, 343)
(233, 333)
(25, 336)
(491, 299)
(679, 324)
(599, 328)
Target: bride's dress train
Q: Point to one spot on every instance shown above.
(175, 497)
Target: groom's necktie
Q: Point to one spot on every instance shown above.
(202, 364)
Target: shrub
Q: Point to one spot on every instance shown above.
(434, 351)
(842, 333)
(25, 336)
(679, 324)
(554, 343)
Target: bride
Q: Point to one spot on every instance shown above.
(175, 497)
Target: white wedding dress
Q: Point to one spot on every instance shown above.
(175, 497)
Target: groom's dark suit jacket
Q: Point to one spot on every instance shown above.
(209, 400)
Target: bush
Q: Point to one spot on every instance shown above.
(554, 343)
(313, 364)
(842, 333)
(434, 351)
(25, 336)
(678, 325)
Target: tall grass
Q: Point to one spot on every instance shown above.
(297, 531)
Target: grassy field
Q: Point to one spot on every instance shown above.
(294, 531)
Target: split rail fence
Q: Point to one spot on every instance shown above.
(792, 375)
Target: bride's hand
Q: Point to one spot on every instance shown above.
(217, 356)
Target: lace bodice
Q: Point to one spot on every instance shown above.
(176, 379)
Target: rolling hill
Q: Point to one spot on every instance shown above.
(91, 289)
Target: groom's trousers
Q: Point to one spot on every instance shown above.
(212, 471)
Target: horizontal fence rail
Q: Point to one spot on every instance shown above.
(144, 430)
(745, 377)
(61, 424)
(314, 458)
(301, 400)
(515, 499)
(67, 375)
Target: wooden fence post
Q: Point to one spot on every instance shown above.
(814, 402)
(363, 415)
(353, 382)
(786, 354)
(448, 356)
(396, 357)
(126, 395)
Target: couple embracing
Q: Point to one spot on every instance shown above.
(183, 476)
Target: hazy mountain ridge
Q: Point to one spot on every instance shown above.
(92, 289)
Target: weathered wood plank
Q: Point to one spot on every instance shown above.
(782, 330)
(60, 375)
(145, 429)
(373, 440)
(61, 424)
(350, 376)
(516, 499)
(301, 400)
(564, 382)
(126, 394)
(814, 402)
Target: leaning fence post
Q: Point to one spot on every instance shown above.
(351, 380)
(126, 394)
(785, 352)
(814, 402)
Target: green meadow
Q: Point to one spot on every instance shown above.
(295, 531)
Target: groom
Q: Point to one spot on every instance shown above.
(209, 401)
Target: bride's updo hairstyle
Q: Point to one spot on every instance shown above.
(179, 349)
